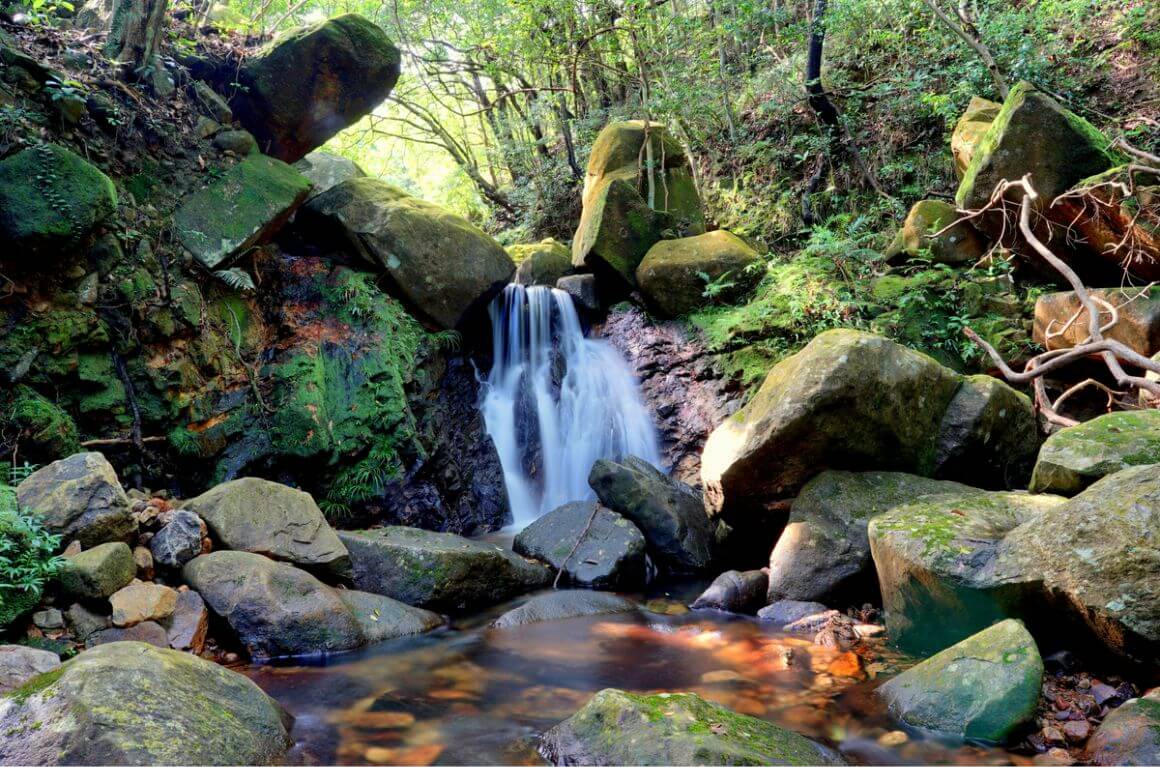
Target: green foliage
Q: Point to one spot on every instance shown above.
(27, 558)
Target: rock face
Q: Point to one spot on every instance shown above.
(617, 225)
(311, 83)
(560, 605)
(50, 199)
(940, 556)
(735, 592)
(1073, 458)
(1129, 734)
(1033, 134)
(18, 664)
(981, 689)
(98, 572)
(438, 571)
(1138, 324)
(617, 727)
(278, 610)
(970, 129)
(326, 171)
(824, 551)
(1088, 558)
(130, 703)
(959, 244)
(264, 517)
(540, 263)
(441, 265)
(672, 273)
(851, 400)
(668, 513)
(611, 554)
(243, 208)
(685, 393)
(80, 498)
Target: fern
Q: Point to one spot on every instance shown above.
(236, 279)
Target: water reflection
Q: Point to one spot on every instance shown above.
(471, 694)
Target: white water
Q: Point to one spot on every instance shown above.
(594, 412)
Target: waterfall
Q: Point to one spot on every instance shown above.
(555, 401)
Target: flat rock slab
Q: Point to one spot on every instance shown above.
(438, 571)
(610, 555)
(560, 605)
(981, 689)
(618, 727)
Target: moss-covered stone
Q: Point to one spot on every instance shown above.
(680, 276)
(132, 703)
(50, 198)
(540, 263)
(617, 727)
(79, 497)
(959, 244)
(243, 208)
(1129, 734)
(44, 431)
(1073, 458)
(969, 129)
(981, 689)
(98, 572)
(989, 435)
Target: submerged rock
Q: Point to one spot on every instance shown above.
(675, 274)
(98, 572)
(735, 592)
(80, 498)
(278, 610)
(560, 605)
(440, 264)
(265, 517)
(130, 703)
(611, 555)
(981, 689)
(785, 612)
(1129, 734)
(439, 571)
(311, 83)
(1073, 458)
(617, 727)
(669, 514)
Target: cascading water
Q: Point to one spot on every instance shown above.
(556, 401)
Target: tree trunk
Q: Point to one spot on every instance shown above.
(135, 33)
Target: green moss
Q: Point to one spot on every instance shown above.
(45, 430)
(35, 686)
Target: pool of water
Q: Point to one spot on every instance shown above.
(472, 694)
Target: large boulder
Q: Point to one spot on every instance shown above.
(1091, 558)
(439, 571)
(278, 610)
(50, 198)
(561, 605)
(669, 514)
(1032, 134)
(131, 703)
(18, 664)
(540, 263)
(1129, 734)
(245, 207)
(610, 555)
(617, 224)
(1060, 316)
(824, 552)
(969, 130)
(618, 727)
(981, 689)
(441, 265)
(851, 400)
(79, 498)
(937, 559)
(326, 171)
(98, 572)
(1073, 458)
(959, 244)
(675, 274)
(264, 517)
(309, 84)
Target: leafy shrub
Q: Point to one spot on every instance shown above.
(28, 558)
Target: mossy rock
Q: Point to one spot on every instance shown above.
(982, 689)
(540, 263)
(311, 83)
(618, 727)
(44, 431)
(969, 130)
(99, 572)
(79, 497)
(611, 554)
(1073, 458)
(989, 435)
(1033, 134)
(959, 244)
(243, 208)
(1129, 734)
(50, 199)
(132, 703)
(675, 275)
(326, 171)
